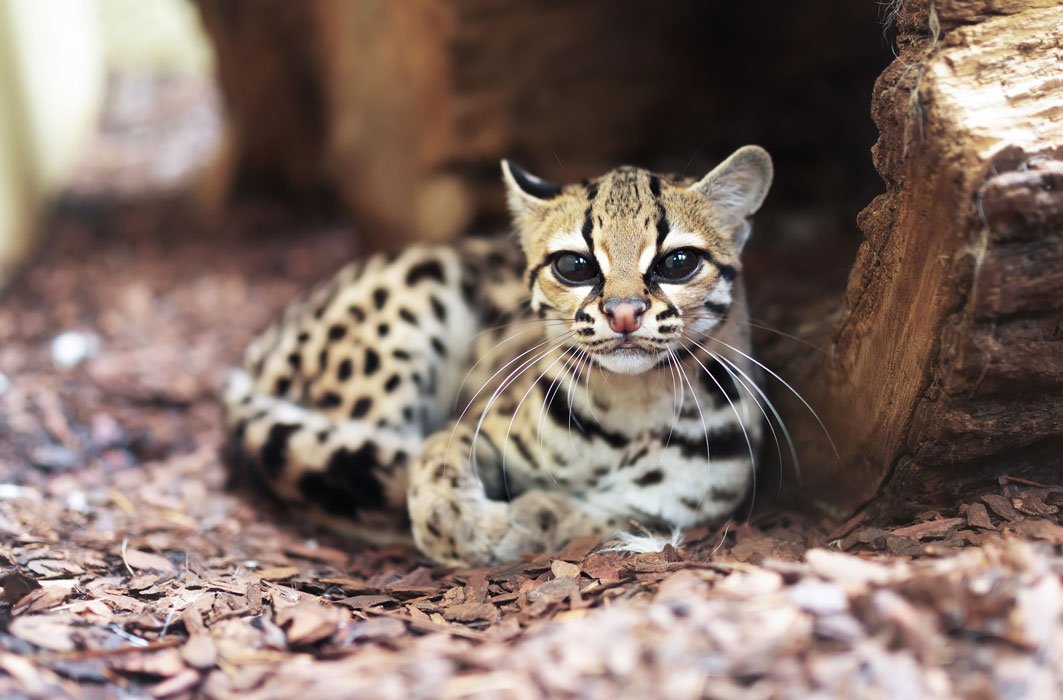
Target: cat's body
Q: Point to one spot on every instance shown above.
(507, 402)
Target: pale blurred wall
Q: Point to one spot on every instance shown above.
(54, 59)
(51, 88)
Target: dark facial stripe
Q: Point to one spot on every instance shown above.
(588, 229)
(533, 274)
(655, 186)
(717, 308)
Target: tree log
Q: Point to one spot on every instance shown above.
(945, 366)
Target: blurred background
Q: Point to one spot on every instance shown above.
(393, 115)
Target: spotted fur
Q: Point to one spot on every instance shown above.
(475, 397)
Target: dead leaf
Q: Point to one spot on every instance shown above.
(147, 561)
(16, 585)
(200, 651)
(277, 573)
(562, 569)
(45, 631)
(309, 622)
(978, 516)
(1001, 506)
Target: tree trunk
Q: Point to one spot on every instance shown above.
(946, 366)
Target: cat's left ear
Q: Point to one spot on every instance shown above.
(526, 193)
(737, 187)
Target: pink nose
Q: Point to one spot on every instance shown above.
(625, 315)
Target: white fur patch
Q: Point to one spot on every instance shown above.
(642, 544)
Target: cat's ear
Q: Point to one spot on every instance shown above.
(526, 193)
(737, 187)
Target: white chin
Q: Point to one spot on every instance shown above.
(627, 361)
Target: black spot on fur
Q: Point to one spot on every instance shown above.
(302, 337)
(407, 316)
(438, 309)
(372, 362)
(438, 346)
(274, 452)
(347, 485)
(322, 360)
(718, 494)
(557, 407)
(547, 520)
(361, 407)
(583, 317)
(380, 297)
(650, 478)
(429, 269)
(356, 313)
(329, 400)
(282, 386)
(295, 360)
(522, 448)
(690, 503)
(719, 383)
(337, 332)
(433, 528)
(668, 313)
(400, 354)
(392, 383)
(344, 371)
(383, 329)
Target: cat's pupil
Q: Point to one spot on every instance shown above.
(574, 268)
(677, 265)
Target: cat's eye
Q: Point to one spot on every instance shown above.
(677, 266)
(575, 269)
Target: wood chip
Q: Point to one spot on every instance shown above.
(978, 516)
(277, 573)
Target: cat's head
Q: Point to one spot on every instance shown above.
(632, 264)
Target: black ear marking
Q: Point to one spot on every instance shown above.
(530, 184)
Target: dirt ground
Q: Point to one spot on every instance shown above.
(129, 570)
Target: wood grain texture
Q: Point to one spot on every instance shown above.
(946, 366)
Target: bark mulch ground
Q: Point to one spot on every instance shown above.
(130, 570)
(127, 569)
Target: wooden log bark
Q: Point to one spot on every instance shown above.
(404, 108)
(945, 367)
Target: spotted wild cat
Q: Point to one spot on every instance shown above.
(500, 396)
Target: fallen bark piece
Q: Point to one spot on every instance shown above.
(932, 528)
(978, 516)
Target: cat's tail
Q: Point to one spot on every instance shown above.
(348, 475)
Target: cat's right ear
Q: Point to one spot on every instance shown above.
(526, 193)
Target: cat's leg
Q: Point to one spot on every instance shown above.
(460, 515)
